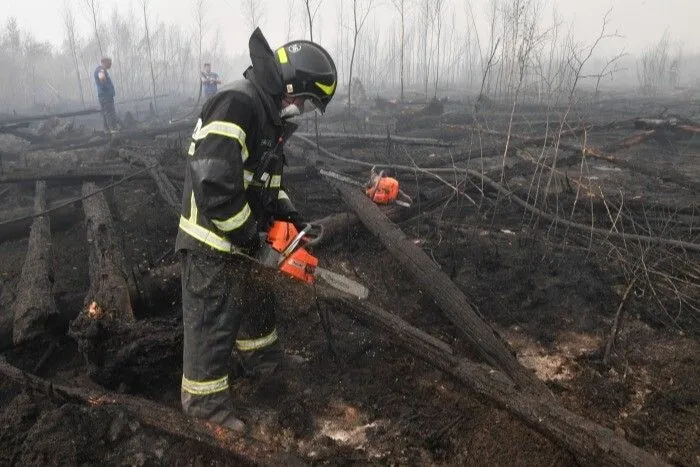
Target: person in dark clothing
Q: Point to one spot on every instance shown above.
(105, 95)
(233, 190)
(210, 81)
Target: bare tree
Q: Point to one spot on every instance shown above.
(438, 7)
(94, 12)
(427, 23)
(579, 56)
(653, 66)
(358, 23)
(311, 11)
(254, 13)
(199, 13)
(290, 18)
(144, 4)
(69, 23)
(400, 6)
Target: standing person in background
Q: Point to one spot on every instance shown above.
(210, 81)
(105, 94)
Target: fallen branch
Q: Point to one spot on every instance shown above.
(522, 203)
(34, 118)
(63, 204)
(17, 222)
(521, 141)
(668, 174)
(610, 341)
(101, 140)
(238, 450)
(371, 137)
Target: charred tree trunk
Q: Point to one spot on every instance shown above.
(430, 278)
(591, 443)
(34, 308)
(406, 140)
(109, 289)
(96, 140)
(107, 314)
(34, 118)
(16, 223)
(77, 175)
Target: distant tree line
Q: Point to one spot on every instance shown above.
(417, 49)
(40, 77)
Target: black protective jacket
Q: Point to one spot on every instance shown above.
(233, 180)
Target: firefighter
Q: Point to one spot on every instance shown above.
(232, 192)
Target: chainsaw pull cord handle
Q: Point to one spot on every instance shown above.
(405, 201)
(374, 180)
(314, 234)
(293, 244)
(305, 235)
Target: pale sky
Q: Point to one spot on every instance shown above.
(642, 22)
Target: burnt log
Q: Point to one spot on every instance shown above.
(107, 312)
(73, 113)
(109, 288)
(97, 139)
(34, 118)
(431, 279)
(225, 444)
(34, 308)
(591, 443)
(137, 356)
(63, 175)
(6, 318)
(667, 174)
(515, 141)
(17, 222)
(405, 140)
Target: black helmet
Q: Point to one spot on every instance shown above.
(307, 71)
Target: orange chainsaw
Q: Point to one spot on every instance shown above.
(285, 248)
(380, 188)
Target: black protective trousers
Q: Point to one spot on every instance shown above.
(226, 300)
(109, 114)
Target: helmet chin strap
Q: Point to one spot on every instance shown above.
(290, 111)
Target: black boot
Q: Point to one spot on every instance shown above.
(263, 363)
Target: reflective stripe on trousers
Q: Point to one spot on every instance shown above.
(202, 388)
(248, 345)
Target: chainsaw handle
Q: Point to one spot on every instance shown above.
(312, 233)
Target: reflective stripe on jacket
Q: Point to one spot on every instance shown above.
(223, 202)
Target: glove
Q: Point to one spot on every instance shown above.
(294, 217)
(254, 236)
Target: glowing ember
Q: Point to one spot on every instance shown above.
(94, 310)
(100, 400)
(220, 433)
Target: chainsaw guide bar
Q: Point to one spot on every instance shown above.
(342, 283)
